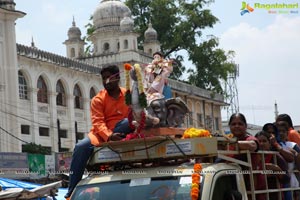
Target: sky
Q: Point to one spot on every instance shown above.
(266, 47)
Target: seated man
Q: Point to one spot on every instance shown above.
(109, 122)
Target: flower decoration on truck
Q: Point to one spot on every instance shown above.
(142, 96)
(194, 132)
(196, 181)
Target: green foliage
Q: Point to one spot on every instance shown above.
(180, 25)
(89, 31)
(35, 149)
(212, 65)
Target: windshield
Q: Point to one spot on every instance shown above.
(145, 188)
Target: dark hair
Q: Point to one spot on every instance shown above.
(263, 133)
(286, 118)
(113, 69)
(277, 136)
(237, 115)
(158, 53)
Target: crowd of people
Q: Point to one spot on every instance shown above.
(278, 136)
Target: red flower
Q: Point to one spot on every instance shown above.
(127, 66)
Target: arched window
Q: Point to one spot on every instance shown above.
(106, 47)
(125, 44)
(78, 97)
(42, 95)
(23, 89)
(61, 95)
(92, 93)
(150, 51)
(72, 53)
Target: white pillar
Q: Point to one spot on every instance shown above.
(9, 94)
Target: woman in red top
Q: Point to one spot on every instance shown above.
(238, 127)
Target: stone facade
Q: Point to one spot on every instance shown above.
(45, 98)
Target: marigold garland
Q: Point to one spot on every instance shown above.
(193, 132)
(142, 96)
(138, 73)
(195, 188)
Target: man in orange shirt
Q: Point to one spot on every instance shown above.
(109, 122)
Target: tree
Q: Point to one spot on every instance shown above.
(35, 149)
(180, 25)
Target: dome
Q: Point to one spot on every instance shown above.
(150, 34)
(109, 14)
(7, 4)
(127, 24)
(74, 32)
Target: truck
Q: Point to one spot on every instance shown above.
(162, 167)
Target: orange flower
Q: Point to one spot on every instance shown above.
(195, 178)
(195, 188)
(194, 193)
(197, 167)
(127, 66)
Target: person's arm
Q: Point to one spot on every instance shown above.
(287, 154)
(282, 176)
(98, 119)
(281, 167)
(297, 148)
(250, 145)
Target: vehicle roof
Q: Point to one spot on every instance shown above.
(154, 172)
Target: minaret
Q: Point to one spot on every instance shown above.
(7, 4)
(151, 44)
(9, 93)
(32, 43)
(276, 110)
(74, 43)
(128, 38)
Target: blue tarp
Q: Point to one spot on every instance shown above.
(6, 183)
(10, 183)
(61, 193)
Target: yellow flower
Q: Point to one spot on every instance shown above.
(139, 78)
(193, 132)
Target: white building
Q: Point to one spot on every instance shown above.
(41, 92)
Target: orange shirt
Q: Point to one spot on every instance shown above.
(106, 112)
(293, 136)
